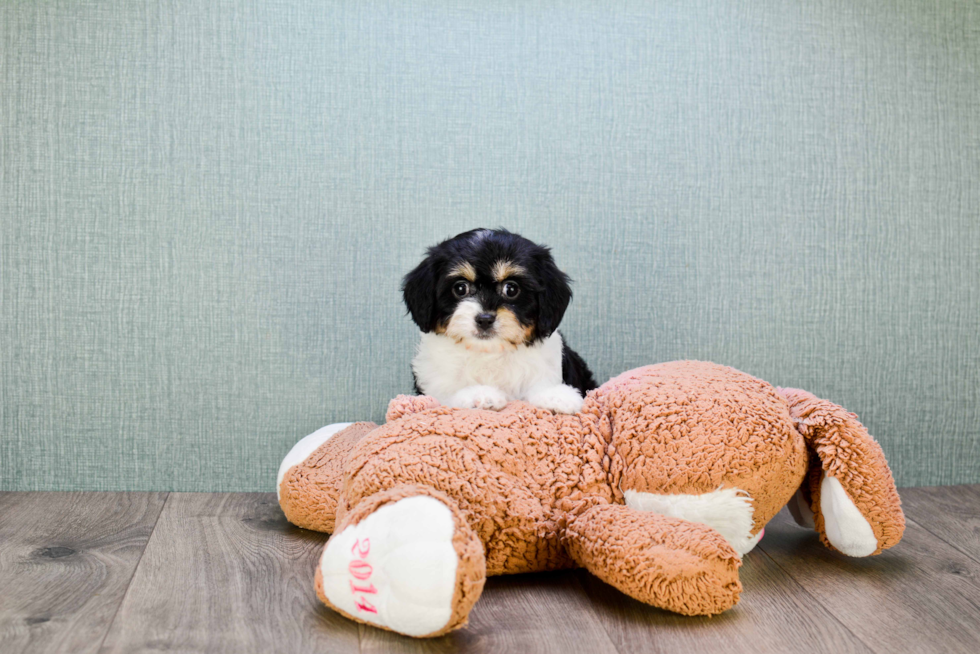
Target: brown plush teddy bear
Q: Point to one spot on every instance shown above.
(658, 487)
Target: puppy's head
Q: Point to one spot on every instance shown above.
(490, 290)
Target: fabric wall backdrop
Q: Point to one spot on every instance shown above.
(207, 208)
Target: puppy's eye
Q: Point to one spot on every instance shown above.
(461, 289)
(510, 290)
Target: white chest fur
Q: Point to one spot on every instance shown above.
(444, 367)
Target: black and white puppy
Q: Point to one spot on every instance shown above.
(489, 303)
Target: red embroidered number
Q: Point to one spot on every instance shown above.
(361, 570)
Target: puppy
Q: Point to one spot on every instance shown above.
(489, 303)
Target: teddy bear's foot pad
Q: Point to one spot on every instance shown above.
(846, 529)
(396, 568)
(843, 524)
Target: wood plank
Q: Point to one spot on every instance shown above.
(952, 513)
(921, 596)
(226, 573)
(65, 562)
(530, 614)
(774, 614)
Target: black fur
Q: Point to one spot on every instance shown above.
(544, 289)
(417, 291)
(575, 372)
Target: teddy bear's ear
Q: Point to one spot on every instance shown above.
(404, 405)
(419, 293)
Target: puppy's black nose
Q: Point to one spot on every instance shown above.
(485, 320)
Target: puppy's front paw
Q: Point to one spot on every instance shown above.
(560, 399)
(480, 397)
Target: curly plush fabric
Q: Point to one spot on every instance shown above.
(692, 428)
(685, 567)
(507, 471)
(531, 490)
(405, 404)
(309, 490)
(847, 452)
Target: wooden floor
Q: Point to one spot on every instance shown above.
(134, 572)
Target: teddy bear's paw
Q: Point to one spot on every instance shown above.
(404, 405)
(480, 397)
(396, 568)
(560, 399)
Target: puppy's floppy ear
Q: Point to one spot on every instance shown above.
(419, 293)
(554, 296)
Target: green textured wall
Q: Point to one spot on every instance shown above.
(207, 206)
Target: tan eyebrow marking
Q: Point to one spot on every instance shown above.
(465, 270)
(504, 269)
